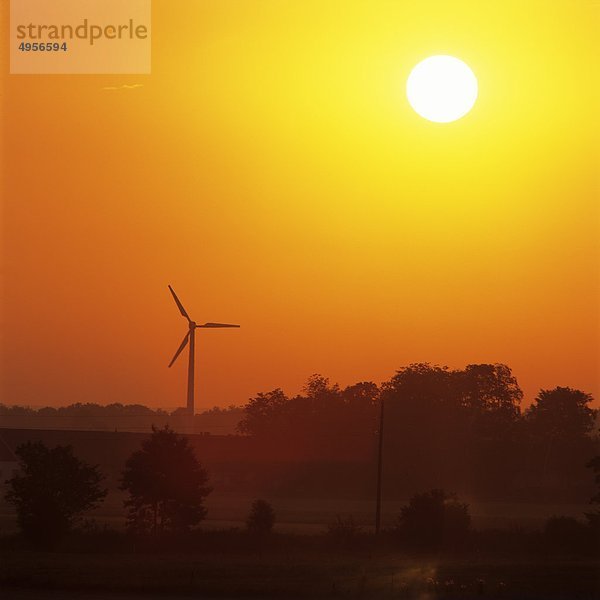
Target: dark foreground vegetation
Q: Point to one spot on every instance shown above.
(449, 435)
(239, 564)
(431, 551)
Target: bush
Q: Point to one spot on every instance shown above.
(261, 518)
(434, 520)
(567, 535)
(343, 531)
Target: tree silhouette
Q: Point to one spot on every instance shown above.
(433, 520)
(426, 427)
(594, 464)
(261, 518)
(559, 424)
(166, 485)
(52, 489)
(490, 390)
(324, 417)
(562, 412)
(449, 428)
(264, 414)
(594, 517)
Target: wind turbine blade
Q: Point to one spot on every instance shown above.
(181, 347)
(179, 305)
(211, 325)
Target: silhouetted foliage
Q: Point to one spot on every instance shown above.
(433, 520)
(457, 422)
(593, 518)
(594, 464)
(563, 413)
(261, 518)
(559, 426)
(459, 428)
(264, 414)
(490, 389)
(51, 491)
(166, 485)
(568, 535)
(326, 419)
(343, 530)
(117, 416)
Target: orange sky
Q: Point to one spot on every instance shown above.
(272, 171)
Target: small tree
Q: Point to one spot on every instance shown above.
(261, 518)
(433, 520)
(51, 491)
(166, 484)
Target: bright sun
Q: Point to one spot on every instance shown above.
(442, 89)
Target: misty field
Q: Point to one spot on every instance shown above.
(312, 515)
(224, 563)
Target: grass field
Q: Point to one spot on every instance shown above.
(312, 515)
(306, 567)
(224, 565)
(283, 575)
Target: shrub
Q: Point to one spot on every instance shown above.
(343, 530)
(434, 520)
(567, 534)
(261, 518)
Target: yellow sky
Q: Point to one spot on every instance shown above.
(271, 170)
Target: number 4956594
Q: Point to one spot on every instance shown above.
(42, 47)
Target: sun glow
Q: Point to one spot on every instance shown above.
(271, 165)
(441, 89)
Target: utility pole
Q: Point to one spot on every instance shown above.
(379, 464)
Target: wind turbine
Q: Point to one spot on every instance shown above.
(189, 337)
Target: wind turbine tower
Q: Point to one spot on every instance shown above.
(190, 339)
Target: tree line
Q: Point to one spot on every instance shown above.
(463, 429)
(119, 417)
(458, 429)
